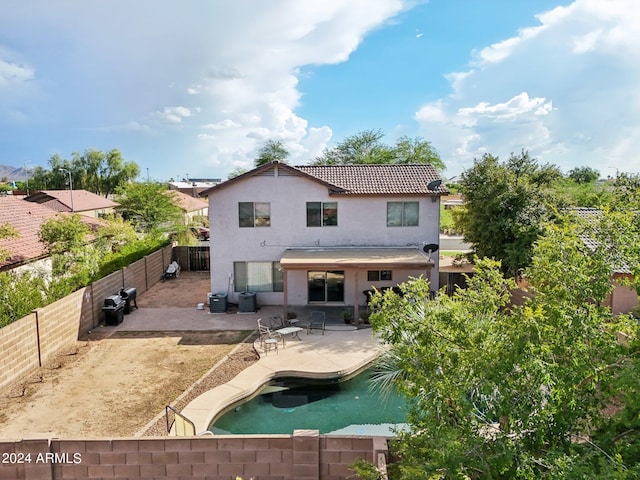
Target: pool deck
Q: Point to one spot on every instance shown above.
(340, 351)
(334, 354)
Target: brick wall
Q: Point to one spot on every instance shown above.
(19, 347)
(305, 455)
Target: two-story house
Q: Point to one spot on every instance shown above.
(323, 234)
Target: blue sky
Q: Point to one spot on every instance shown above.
(196, 87)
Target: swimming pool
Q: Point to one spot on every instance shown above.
(338, 406)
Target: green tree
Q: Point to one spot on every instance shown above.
(498, 391)
(95, 171)
(584, 174)
(366, 147)
(272, 150)
(73, 257)
(416, 150)
(363, 147)
(6, 231)
(505, 207)
(149, 207)
(236, 172)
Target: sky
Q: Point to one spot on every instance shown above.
(194, 88)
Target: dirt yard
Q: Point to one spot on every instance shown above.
(114, 384)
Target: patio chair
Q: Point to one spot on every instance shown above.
(268, 338)
(316, 322)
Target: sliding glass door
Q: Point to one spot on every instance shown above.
(325, 286)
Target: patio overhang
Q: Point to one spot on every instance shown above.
(356, 257)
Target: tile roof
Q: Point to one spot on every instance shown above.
(60, 200)
(26, 218)
(378, 179)
(186, 202)
(370, 179)
(591, 216)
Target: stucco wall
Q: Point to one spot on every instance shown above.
(362, 221)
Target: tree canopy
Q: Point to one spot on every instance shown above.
(367, 147)
(495, 390)
(95, 171)
(272, 150)
(150, 206)
(505, 205)
(584, 174)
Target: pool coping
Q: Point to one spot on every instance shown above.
(334, 354)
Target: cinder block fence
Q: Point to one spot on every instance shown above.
(305, 455)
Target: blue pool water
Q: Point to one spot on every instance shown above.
(348, 407)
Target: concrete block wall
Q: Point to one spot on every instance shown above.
(58, 324)
(19, 347)
(305, 455)
(338, 452)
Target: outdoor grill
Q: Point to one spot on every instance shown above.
(113, 310)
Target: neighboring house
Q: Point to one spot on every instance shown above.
(622, 299)
(79, 201)
(194, 186)
(190, 206)
(26, 250)
(323, 234)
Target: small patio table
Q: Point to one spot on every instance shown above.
(293, 331)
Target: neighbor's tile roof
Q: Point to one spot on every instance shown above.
(60, 200)
(26, 218)
(186, 202)
(591, 215)
(377, 179)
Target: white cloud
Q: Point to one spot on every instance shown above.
(566, 90)
(12, 72)
(240, 60)
(175, 114)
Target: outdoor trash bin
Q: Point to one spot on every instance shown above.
(217, 302)
(129, 296)
(113, 310)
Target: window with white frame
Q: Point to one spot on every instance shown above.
(402, 214)
(254, 214)
(257, 277)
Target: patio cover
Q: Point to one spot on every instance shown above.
(355, 257)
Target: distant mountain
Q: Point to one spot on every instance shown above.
(12, 174)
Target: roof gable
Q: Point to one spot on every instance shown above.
(370, 179)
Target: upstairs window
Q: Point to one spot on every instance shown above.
(402, 214)
(252, 214)
(322, 214)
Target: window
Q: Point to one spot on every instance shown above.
(257, 277)
(402, 214)
(252, 214)
(322, 214)
(377, 275)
